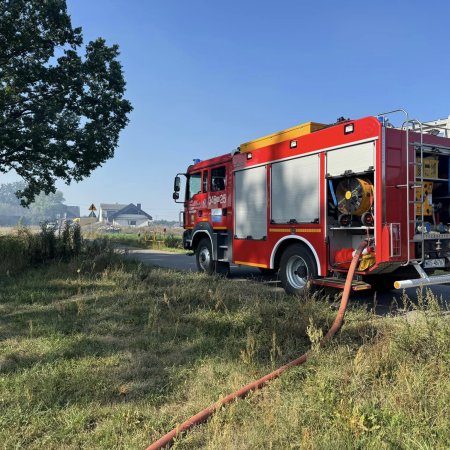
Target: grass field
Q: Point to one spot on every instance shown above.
(105, 354)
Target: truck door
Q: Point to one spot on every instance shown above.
(195, 198)
(217, 197)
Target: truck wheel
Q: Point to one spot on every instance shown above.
(203, 257)
(297, 266)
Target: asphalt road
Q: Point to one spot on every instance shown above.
(384, 302)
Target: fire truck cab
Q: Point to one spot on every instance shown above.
(298, 202)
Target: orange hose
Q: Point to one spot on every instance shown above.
(202, 416)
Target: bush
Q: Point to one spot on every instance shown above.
(14, 253)
(25, 248)
(44, 247)
(76, 239)
(172, 241)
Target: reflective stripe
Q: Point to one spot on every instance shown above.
(297, 230)
(264, 266)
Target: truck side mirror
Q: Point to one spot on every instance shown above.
(175, 196)
(176, 184)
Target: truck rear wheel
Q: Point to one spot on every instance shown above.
(203, 257)
(297, 266)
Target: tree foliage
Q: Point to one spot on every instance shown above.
(8, 192)
(60, 113)
(44, 207)
(47, 207)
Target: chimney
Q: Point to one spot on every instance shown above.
(138, 206)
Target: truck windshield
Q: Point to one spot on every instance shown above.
(194, 185)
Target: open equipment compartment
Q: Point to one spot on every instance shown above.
(350, 196)
(432, 206)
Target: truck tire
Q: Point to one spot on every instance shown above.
(205, 263)
(204, 257)
(297, 266)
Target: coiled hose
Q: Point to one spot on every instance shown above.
(202, 416)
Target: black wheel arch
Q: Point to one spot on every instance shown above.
(283, 247)
(200, 231)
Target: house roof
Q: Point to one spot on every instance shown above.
(112, 206)
(131, 209)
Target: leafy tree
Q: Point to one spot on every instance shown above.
(60, 113)
(44, 206)
(8, 192)
(47, 207)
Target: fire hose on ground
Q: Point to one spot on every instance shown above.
(202, 416)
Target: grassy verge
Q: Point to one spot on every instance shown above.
(102, 354)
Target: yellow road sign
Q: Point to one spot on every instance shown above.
(92, 208)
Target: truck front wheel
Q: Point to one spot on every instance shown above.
(297, 266)
(203, 257)
(205, 262)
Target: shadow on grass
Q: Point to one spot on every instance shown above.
(145, 333)
(137, 333)
(164, 343)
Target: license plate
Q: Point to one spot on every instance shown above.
(428, 263)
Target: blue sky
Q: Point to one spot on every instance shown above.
(204, 76)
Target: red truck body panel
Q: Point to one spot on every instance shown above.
(213, 211)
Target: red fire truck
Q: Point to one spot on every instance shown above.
(300, 201)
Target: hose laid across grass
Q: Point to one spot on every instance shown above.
(202, 416)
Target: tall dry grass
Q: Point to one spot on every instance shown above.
(22, 247)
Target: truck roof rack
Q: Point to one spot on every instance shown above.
(439, 127)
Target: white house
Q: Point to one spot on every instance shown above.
(107, 210)
(128, 216)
